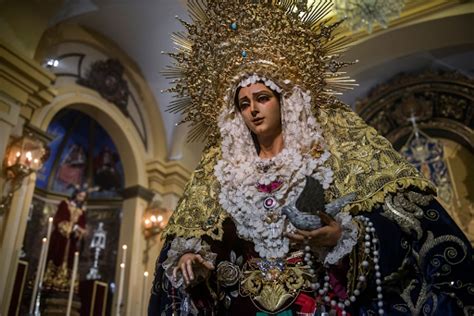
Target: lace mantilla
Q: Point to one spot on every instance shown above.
(181, 246)
(241, 172)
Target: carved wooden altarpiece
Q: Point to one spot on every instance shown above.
(440, 106)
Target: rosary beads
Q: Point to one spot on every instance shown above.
(371, 249)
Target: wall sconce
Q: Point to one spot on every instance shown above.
(24, 155)
(155, 220)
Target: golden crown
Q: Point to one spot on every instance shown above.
(285, 40)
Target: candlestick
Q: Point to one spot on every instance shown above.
(119, 298)
(48, 237)
(145, 279)
(73, 280)
(45, 257)
(38, 273)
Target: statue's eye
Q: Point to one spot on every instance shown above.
(263, 98)
(243, 104)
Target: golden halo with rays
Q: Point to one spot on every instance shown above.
(291, 43)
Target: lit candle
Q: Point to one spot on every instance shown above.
(120, 291)
(145, 278)
(50, 227)
(38, 273)
(124, 254)
(29, 157)
(147, 223)
(73, 280)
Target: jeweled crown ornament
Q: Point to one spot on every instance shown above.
(286, 40)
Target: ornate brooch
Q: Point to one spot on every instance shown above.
(273, 284)
(270, 202)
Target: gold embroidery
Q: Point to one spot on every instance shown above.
(58, 278)
(74, 212)
(403, 209)
(274, 286)
(199, 212)
(415, 307)
(65, 228)
(450, 255)
(432, 215)
(363, 161)
(228, 273)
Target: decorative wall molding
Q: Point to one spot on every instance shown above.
(106, 77)
(137, 191)
(168, 177)
(24, 80)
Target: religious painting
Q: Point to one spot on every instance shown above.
(72, 166)
(81, 152)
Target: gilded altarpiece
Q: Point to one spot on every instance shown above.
(429, 117)
(97, 212)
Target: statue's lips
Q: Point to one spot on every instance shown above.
(257, 121)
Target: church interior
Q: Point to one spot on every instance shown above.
(82, 109)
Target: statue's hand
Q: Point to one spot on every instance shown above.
(79, 231)
(326, 236)
(188, 263)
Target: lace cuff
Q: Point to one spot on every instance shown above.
(181, 246)
(345, 244)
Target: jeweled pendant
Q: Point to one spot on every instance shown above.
(270, 203)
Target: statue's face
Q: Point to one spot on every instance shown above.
(81, 196)
(260, 109)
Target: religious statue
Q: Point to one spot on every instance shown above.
(297, 206)
(69, 228)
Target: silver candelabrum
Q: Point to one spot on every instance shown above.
(98, 243)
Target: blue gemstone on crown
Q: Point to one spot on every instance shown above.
(233, 26)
